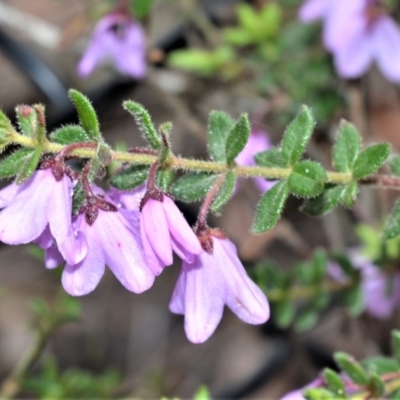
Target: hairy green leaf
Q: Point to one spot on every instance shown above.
(392, 227)
(334, 383)
(351, 367)
(68, 134)
(323, 204)
(270, 158)
(237, 138)
(30, 165)
(219, 126)
(193, 187)
(394, 165)
(270, 207)
(307, 179)
(347, 147)
(12, 164)
(297, 135)
(370, 160)
(131, 177)
(224, 193)
(143, 120)
(87, 115)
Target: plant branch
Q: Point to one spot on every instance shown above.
(179, 163)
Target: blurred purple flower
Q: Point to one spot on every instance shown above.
(357, 32)
(112, 241)
(119, 37)
(164, 229)
(40, 202)
(381, 290)
(298, 393)
(211, 281)
(258, 141)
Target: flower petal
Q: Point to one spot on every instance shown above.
(180, 229)
(154, 262)
(204, 298)
(123, 253)
(177, 302)
(243, 297)
(156, 230)
(25, 218)
(313, 9)
(7, 194)
(386, 39)
(53, 257)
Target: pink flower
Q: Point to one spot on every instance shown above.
(381, 290)
(129, 199)
(119, 37)
(113, 240)
(211, 281)
(164, 229)
(40, 202)
(258, 141)
(358, 32)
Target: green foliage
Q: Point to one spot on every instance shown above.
(284, 313)
(396, 346)
(130, 178)
(370, 160)
(350, 194)
(5, 128)
(347, 147)
(29, 166)
(71, 384)
(306, 319)
(69, 134)
(164, 179)
(141, 8)
(222, 60)
(237, 138)
(270, 207)
(103, 154)
(392, 227)
(193, 187)
(26, 119)
(270, 158)
(202, 394)
(12, 164)
(319, 394)
(219, 126)
(327, 201)
(144, 122)
(78, 198)
(87, 115)
(297, 135)
(334, 383)
(307, 179)
(224, 193)
(351, 367)
(394, 165)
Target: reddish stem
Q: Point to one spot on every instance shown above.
(85, 180)
(151, 180)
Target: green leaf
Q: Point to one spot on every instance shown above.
(237, 36)
(270, 207)
(327, 201)
(5, 127)
(284, 313)
(247, 16)
(30, 165)
(220, 124)
(87, 115)
(394, 165)
(78, 198)
(130, 178)
(202, 393)
(270, 158)
(164, 179)
(347, 147)
(193, 187)
(237, 138)
(381, 365)
(334, 383)
(376, 386)
(370, 160)
(307, 179)
(350, 194)
(297, 135)
(354, 300)
(141, 8)
(27, 121)
(319, 394)
(396, 345)
(143, 120)
(306, 320)
(69, 134)
(12, 164)
(392, 227)
(104, 154)
(351, 367)
(224, 193)
(318, 265)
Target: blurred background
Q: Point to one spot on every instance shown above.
(230, 55)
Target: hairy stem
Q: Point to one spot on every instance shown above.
(179, 163)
